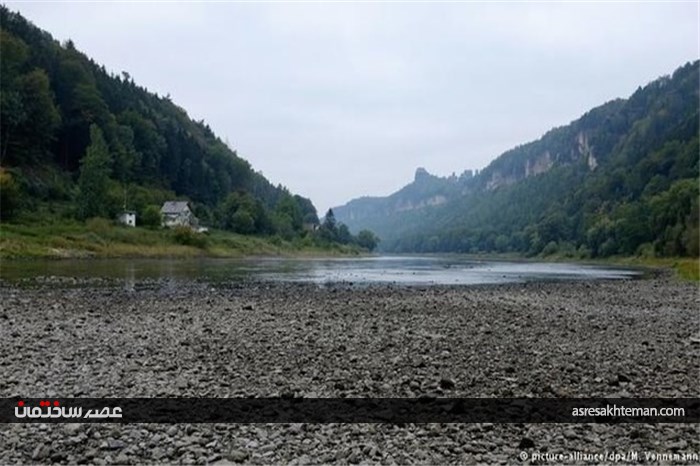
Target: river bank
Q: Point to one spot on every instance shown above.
(625, 338)
(103, 240)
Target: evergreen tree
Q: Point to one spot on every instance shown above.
(344, 236)
(329, 229)
(95, 166)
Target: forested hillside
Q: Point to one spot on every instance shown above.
(622, 179)
(81, 142)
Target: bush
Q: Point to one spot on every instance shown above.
(151, 217)
(242, 222)
(98, 225)
(583, 252)
(608, 248)
(550, 248)
(646, 250)
(367, 240)
(691, 241)
(567, 249)
(9, 195)
(188, 237)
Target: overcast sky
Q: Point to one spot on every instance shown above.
(340, 100)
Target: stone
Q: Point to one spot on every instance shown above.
(238, 456)
(57, 457)
(354, 457)
(679, 445)
(41, 452)
(72, 429)
(113, 444)
(526, 442)
(157, 453)
(447, 384)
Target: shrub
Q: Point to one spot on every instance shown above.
(188, 237)
(583, 252)
(98, 225)
(242, 222)
(646, 250)
(367, 240)
(9, 195)
(550, 248)
(151, 217)
(567, 249)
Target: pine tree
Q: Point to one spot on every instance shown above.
(95, 166)
(329, 229)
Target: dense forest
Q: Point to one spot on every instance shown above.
(621, 180)
(79, 142)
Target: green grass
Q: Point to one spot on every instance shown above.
(687, 268)
(59, 238)
(101, 238)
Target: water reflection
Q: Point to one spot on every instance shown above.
(423, 270)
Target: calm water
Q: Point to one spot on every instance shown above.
(423, 270)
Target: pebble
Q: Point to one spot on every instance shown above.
(527, 340)
(526, 443)
(72, 429)
(113, 444)
(238, 456)
(447, 384)
(41, 452)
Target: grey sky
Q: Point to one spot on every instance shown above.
(339, 100)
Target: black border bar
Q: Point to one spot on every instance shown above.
(349, 410)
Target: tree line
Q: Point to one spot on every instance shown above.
(638, 194)
(80, 142)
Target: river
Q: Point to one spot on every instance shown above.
(406, 270)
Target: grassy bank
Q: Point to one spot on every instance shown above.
(103, 239)
(687, 268)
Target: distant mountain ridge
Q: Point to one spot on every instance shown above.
(622, 154)
(425, 190)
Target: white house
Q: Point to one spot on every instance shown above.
(128, 218)
(178, 213)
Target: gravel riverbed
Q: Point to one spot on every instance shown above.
(631, 338)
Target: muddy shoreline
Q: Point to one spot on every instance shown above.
(624, 338)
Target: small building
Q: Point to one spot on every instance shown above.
(128, 218)
(178, 214)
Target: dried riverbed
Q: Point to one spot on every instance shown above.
(636, 338)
